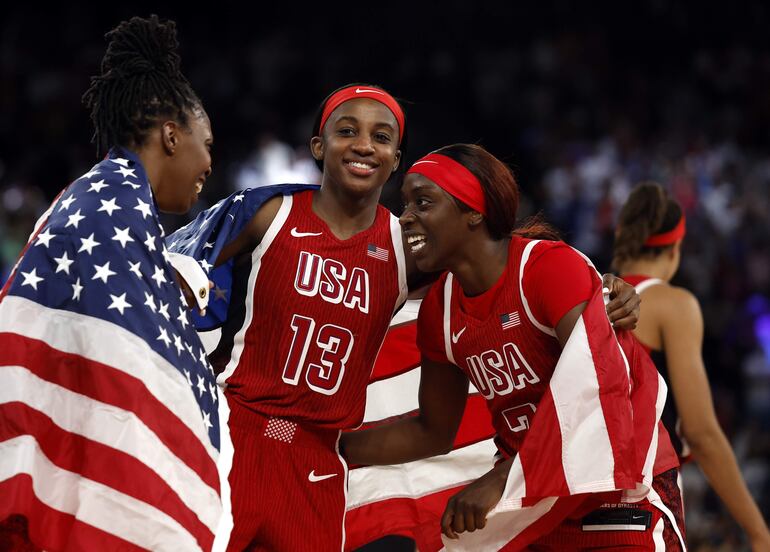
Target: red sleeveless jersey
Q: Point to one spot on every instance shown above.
(317, 310)
(507, 354)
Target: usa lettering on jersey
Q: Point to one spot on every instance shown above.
(499, 373)
(328, 279)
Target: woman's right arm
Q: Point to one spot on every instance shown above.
(682, 332)
(253, 232)
(442, 396)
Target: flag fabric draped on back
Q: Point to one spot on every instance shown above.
(108, 425)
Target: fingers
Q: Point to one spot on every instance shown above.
(460, 517)
(447, 519)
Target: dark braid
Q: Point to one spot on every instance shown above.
(140, 82)
(647, 211)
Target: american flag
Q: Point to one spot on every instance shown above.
(110, 435)
(377, 252)
(509, 320)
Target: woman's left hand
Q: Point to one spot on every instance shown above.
(468, 509)
(623, 308)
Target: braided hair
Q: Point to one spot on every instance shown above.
(141, 83)
(647, 211)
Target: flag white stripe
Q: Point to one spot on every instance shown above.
(421, 477)
(91, 502)
(114, 427)
(225, 464)
(588, 463)
(392, 396)
(64, 331)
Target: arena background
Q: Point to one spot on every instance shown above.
(582, 104)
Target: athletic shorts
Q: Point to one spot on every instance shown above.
(287, 486)
(639, 526)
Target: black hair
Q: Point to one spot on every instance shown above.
(141, 82)
(647, 211)
(402, 144)
(501, 193)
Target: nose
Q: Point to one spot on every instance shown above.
(407, 217)
(208, 171)
(363, 144)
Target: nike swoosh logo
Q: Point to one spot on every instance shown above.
(313, 478)
(298, 234)
(361, 90)
(456, 336)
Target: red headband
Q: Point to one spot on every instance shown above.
(453, 178)
(354, 92)
(667, 238)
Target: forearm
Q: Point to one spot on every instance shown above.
(716, 459)
(394, 443)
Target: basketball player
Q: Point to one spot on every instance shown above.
(647, 252)
(460, 217)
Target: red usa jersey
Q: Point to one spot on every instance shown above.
(316, 312)
(507, 354)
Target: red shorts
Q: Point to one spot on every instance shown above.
(639, 526)
(287, 485)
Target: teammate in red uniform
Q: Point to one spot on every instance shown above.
(323, 272)
(512, 311)
(647, 254)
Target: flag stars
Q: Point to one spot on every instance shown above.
(44, 238)
(119, 303)
(208, 245)
(122, 236)
(103, 272)
(205, 264)
(136, 268)
(129, 183)
(158, 276)
(207, 420)
(93, 172)
(183, 319)
(76, 289)
(178, 344)
(150, 242)
(239, 197)
(202, 357)
(65, 204)
(88, 244)
(220, 294)
(213, 391)
(163, 310)
(74, 219)
(187, 375)
(201, 385)
(164, 338)
(125, 171)
(31, 279)
(63, 263)
(120, 161)
(143, 208)
(165, 254)
(97, 186)
(149, 302)
(109, 206)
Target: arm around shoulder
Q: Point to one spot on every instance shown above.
(253, 232)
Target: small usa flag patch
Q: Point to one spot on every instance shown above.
(509, 320)
(377, 252)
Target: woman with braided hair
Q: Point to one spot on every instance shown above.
(647, 252)
(109, 429)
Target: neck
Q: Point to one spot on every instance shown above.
(345, 215)
(480, 264)
(654, 268)
(151, 167)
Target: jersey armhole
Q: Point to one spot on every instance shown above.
(275, 226)
(524, 258)
(398, 250)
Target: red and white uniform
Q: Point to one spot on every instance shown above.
(316, 312)
(504, 341)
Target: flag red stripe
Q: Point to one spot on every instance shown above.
(109, 385)
(398, 353)
(100, 463)
(416, 518)
(561, 509)
(613, 393)
(51, 529)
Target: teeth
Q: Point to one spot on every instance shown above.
(416, 248)
(360, 165)
(412, 239)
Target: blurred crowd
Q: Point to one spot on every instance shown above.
(582, 108)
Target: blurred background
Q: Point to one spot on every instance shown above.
(583, 103)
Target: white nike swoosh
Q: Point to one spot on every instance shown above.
(456, 336)
(361, 90)
(313, 478)
(297, 234)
